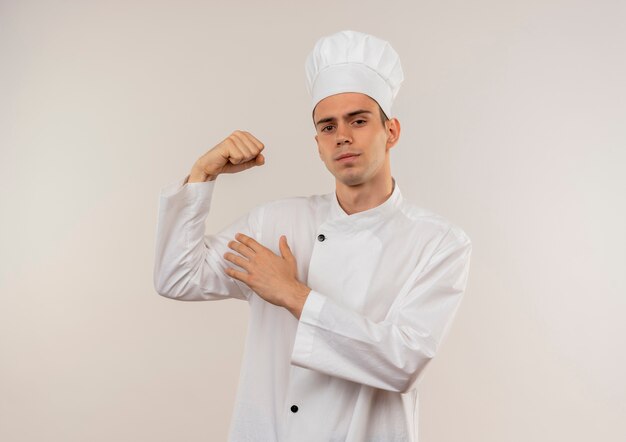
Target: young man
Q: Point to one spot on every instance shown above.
(350, 293)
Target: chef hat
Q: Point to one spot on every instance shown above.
(351, 61)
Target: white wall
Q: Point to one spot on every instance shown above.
(513, 117)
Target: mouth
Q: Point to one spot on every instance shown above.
(347, 157)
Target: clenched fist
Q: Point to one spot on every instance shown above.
(239, 151)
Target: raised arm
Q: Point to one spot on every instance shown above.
(189, 265)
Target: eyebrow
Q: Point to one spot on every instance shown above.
(348, 115)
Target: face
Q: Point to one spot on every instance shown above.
(352, 140)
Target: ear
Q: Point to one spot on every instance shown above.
(393, 132)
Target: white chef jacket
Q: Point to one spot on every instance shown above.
(386, 283)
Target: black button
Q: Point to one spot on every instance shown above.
(294, 408)
(321, 237)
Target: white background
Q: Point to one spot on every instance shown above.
(513, 118)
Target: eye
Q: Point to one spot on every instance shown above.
(360, 121)
(324, 129)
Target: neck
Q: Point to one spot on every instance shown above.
(361, 197)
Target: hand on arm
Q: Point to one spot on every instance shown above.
(274, 278)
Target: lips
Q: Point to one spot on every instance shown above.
(346, 155)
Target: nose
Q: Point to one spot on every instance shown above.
(343, 135)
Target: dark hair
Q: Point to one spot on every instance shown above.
(383, 116)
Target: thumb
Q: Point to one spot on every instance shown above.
(230, 167)
(285, 251)
(259, 160)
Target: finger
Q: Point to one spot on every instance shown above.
(243, 150)
(255, 140)
(253, 145)
(237, 260)
(245, 144)
(242, 249)
(250, 242)
(233, 153)
(241, 276)
(284, 247)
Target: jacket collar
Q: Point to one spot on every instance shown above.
(370, 216)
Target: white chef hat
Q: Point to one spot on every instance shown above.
(351, 61)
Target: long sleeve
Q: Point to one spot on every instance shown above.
(391, 354)
(189, 265)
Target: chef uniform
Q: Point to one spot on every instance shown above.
(385, 285)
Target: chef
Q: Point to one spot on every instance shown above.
(350, 292)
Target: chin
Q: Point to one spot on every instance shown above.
(350, 179)
(351, 176)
